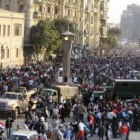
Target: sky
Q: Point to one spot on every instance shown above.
(116, 7)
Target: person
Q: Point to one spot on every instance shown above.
(91, 123)
(3, 135)
(67, 133)
(18, 127)
(101, 132)
(43, 136)
(55, 112)
(8, 126)
(81, 112)
(1, 138)
(81, 125)
(39, 138)
(46, 113)
(61, 99)
(59, 133)
(85, 132)
(80, 135)
(123, 131)
(62, 114)
(25, 127)
(76, 112)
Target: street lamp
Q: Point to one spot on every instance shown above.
(67, 41)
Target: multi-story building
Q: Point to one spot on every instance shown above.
(130, 22)
(88, 16)
(11, 38)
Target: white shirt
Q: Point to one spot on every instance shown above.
(55, 111)
(74, 107)
(61, 100)
(110, 115)
(50, 99)
(101, 97)
(81, 126)
(42, 119)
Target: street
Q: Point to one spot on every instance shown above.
(20, 122)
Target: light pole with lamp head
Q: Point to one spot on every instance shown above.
(67, 41)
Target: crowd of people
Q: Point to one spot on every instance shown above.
(84, 116)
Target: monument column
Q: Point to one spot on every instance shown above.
(67, 41)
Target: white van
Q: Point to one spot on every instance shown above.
(24, 135)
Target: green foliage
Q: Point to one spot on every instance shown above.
(61, 24)
(43, 36)
(114, 32)
(109, 42)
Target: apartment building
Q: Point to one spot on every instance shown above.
(11, 38)
(89, 16)
(130, 22)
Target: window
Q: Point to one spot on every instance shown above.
(16, 52)
(7, 7)
(49, 9)
(4, 30)
(40, 8)
(68, 12)
(17, 29)
(75, 13)
(8, 31)
(56, 11)
(7, 53)
(21, 8)
(3, 54)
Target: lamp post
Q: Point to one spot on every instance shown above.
(67, 41)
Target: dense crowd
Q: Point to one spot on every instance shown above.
(71, 119)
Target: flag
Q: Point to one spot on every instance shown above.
(2, 125)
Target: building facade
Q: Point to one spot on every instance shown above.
(88, 16)
(11, 38)
(130, 23)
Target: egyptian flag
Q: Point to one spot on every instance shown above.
(2, 125)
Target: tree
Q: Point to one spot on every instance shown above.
(61, 24)
(43, 37)
(109, 42)
(115, 32)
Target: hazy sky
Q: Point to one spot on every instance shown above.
(116, 7)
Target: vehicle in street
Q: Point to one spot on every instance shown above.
(24, 135)
(12, 103)
(126, 89)
(66, 91)
(24, 91)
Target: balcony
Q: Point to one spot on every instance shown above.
(37, 1)
(103, 32)
(104, 15)
(37, 15)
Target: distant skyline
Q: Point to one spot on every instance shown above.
(116, 8)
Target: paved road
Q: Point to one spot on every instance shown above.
(20, 122)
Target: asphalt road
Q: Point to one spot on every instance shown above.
(20, 122)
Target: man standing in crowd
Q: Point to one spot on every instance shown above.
(8, 126)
